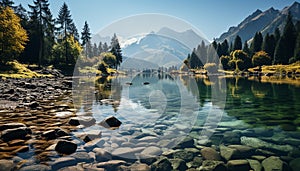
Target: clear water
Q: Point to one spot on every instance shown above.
(216, 109)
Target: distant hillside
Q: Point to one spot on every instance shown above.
(138, 64)
(265, 22)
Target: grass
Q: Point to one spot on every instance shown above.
(295, 67)
(14, 69)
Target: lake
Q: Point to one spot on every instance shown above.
(162, 110)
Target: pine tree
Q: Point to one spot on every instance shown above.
(286, 45)
(85, 37)
(237, 45)
(116, 50)
(105, 47)
(225, 47)
(256, 43)
(269, 45)
(100, 48)
(7, 3)
(65, 27)
(246, 48)
(95, 50)
(41, 30)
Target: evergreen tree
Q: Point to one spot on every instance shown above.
(286, 45)
(7, 3)
(225, 48)
(95, 50)
(41, 30)
(297, 50)
(269, 45)
(105, 47)
(246, 48)
(116, 50)
(237, 45)
(100, 48)
(65, 27)
(85, 37)
(256, 43)
(194, 61)
(277, 35)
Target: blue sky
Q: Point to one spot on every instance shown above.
(212, 17)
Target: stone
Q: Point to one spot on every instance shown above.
(210, 165)
(93, 144)
(184, 155)
(11, 126)
(188, 142)
(259, 158)
(82, 157)
(238, 165)
(78, 167)
(51, 134)
(15, 133)
(209, 153)
(21, 149)
(37, 167)
(162, 165)
(178, 164)
(102, 155)
(127, 152)
(272, 163)
(258, 143)
(65, 147)
(236, 151)
(110, 122)
(227, 153)
(33, 105)
(7, 165)
(140, 167)
(111, 165)
(86, 121)
(295, 164)
(255, 165)
(152, 151)
(63, 162)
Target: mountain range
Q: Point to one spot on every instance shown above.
(263, 21)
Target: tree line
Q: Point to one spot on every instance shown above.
(277, 48)
(36, 37)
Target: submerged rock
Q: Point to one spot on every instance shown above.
(258, 143)
(111, 122)
(15, 133)
(272, 163)
(238, 165)
(162, 165)
(209, 153)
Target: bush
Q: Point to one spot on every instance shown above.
(261, 58)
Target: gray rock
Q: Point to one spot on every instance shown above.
(188, 142)
(7, 165)
(63, 162)
(272, 163)
(227, 153)
(295, 164)
(82, 157)
(127, 152)
(209, 153)
(93, 144)
(152, 151)
(210, 165)
(65, 147)
(38, 167)
(111, 165)
(184, 155)
(162, 165)
(258, 143)
(15, 133)
(102, 155)
(238, 165)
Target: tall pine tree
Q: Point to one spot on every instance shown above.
(116, 50)
(237, 45)
(85, 37)
(256, 43)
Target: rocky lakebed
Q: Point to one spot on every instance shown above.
(40, 130)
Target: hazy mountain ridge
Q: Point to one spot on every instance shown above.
(265, 22)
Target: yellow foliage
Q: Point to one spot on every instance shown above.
(12, 35)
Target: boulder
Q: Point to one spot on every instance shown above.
(111, 122)
(209, 153)
(140, 167)
(187, 142)
(151, 151)
(255, 165)
(178, 164)
(272, 163)
(65, 147)
(82, 157)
